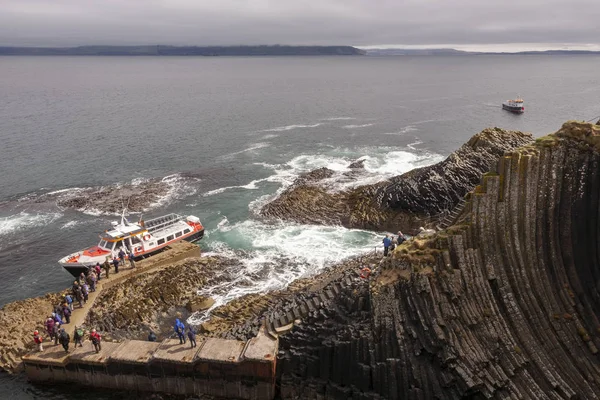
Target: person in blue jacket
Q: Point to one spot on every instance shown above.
(180, 331)
(69, 301)
(386, 244)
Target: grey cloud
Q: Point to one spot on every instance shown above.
(354, 22)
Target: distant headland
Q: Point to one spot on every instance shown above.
(160, 50)
(455, 52)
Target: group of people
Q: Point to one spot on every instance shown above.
(390, 242)
(58, 334)
(180, 330)
(61, 315)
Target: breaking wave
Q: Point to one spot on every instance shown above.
(253, 147)
(278, 254)
(291, 127)
(25, 220)
(357, 126)
(402, 131)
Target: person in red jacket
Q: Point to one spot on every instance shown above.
(37, 338)
(96, 339)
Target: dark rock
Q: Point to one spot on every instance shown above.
(405, 202)
(111, 199)
(358, 164)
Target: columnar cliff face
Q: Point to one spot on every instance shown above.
(404, 202)
(504, 305)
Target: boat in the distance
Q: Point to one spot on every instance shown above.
(142, 238)
(516, 105)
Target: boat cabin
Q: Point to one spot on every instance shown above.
(129, 235)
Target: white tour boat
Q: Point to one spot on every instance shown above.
(143, 238)
(515, 106)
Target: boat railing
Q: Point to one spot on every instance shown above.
(156, 224)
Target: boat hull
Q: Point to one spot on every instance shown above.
(513, 109)
(76, 270)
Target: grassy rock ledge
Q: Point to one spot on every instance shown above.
(504, 305)
(407, 201)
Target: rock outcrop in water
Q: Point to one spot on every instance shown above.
(404, 202)
(506, 304)
(112, 199)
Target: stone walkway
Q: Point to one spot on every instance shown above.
(176, 252)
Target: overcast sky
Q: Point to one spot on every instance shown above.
(352, 22)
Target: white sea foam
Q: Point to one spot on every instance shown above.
(281, 254)
(413, 145)
(253, 147)
(70, 224)
(25, 220)
(179, 187)
(291, 127)
(250, 186)
(357, 126)
(402, 131)
(73, 189)
(338, 118)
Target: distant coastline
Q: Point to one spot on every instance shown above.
(454, 52)
(160, 50)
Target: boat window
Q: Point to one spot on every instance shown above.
(186, 231)
(135, 240)
(161, 241)
(170, 237)
(103, 244)
(178, 234)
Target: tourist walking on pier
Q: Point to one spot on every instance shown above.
(37, 338)
(78, 336)
(106, 267)
(180, 330)
(49, 324)
(64, 339)
(91, 280)
(67, 313)
(116, 265)
(96, 340)
(131, 259)
(56, 332)
(85, 292)
(122, 257)
(57, 318)
(192, 336)
(69, 301)
(386, 245)
(81, 279)
(78, 294)
(58, 310)
(98, 271)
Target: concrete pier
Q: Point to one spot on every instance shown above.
(216, 367)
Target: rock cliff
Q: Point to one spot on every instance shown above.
(404, 202)
(505, 304)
